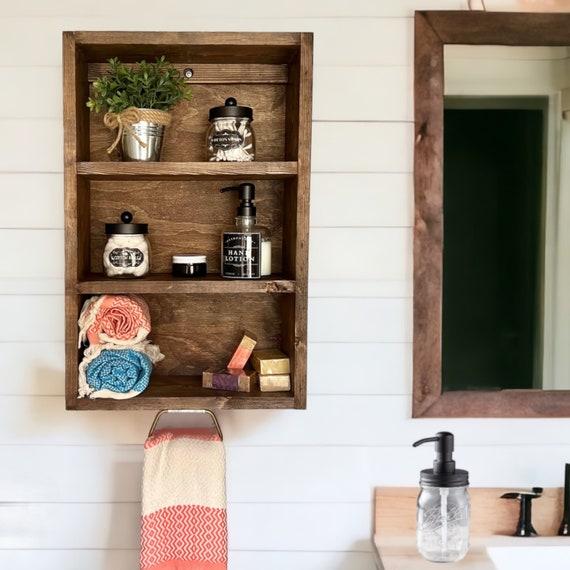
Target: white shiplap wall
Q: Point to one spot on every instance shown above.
(300, 482)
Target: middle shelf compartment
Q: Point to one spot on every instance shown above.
(183, 217)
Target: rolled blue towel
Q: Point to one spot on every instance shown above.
(120, 371)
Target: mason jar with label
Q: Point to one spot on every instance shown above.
(127, 251)
(230, 137)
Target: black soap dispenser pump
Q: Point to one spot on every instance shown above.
(246, 247)
(443, 504)
(564, 529)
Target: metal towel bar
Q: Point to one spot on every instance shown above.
(206, 412)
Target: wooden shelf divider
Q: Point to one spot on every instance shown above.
(186, 170)
(180, 392)
(156, 283)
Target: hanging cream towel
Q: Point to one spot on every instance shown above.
(184, 523)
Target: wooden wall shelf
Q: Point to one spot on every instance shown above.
(196, 323)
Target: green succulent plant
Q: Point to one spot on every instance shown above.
(144, 85)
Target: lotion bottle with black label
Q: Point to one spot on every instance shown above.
(246, 248)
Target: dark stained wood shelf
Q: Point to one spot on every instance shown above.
(186, 170)
(97, 283)
(197, 323)
(180, 392)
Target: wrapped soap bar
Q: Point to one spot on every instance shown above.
(270, 361)
(242, 352)
(232, 380)
(274, 382)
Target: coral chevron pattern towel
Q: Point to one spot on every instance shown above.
(184, 524)
(117, 361)
(117, 319)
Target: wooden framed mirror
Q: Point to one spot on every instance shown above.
(491, 301)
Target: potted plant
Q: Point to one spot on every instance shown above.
(136, 100)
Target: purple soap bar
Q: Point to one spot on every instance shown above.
(231, 380)
(225, 381)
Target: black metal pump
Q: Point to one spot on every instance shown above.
(443, 473)
(247, 198)
(564, 529)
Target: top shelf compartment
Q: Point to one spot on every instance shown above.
(186, 170)
(260, 70)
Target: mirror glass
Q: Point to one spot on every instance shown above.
(506, 260)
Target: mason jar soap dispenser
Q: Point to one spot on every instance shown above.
(443, 505)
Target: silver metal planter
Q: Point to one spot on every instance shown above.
(151, 134)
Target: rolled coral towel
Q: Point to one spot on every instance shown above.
(117, 372)
(118, 319)
(184, 524)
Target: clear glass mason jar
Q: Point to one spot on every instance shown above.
(127, 251)
(230, 137)
(443, 523)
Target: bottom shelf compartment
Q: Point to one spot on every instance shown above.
(180, 392)
(197, 332)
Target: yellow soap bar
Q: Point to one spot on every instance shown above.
(270, 361)
(274, 382)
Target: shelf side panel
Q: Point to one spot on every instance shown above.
(296, 212)
(76, 203)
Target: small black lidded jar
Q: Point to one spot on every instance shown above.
(189, 265)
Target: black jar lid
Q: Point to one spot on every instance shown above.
(231, 109)
(126, 227)
(459, 478)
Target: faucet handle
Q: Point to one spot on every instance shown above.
(534, 493)
(524, 526)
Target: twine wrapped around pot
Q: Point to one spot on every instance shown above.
(125, 120)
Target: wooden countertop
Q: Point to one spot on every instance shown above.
(400, 553)
(493, 520)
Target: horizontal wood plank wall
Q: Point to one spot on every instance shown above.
(70, 497)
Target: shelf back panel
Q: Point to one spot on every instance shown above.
(197, 332)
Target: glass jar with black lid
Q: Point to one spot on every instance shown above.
(127, 251)
(230, 137)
